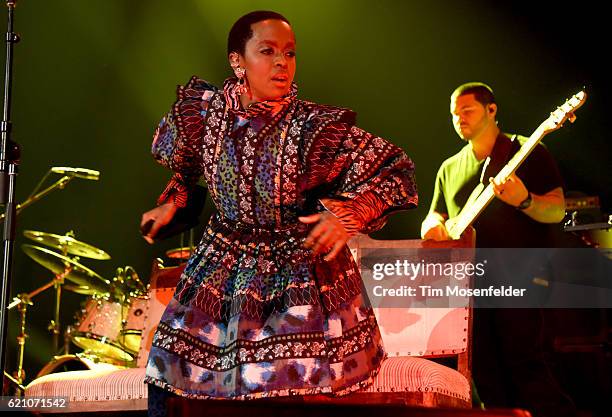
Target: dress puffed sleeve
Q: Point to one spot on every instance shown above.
(177, 143)
(361, 178)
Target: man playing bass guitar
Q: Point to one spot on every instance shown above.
(509, 369)
(526, 202)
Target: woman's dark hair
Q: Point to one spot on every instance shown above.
(482, 92)
(241, 31)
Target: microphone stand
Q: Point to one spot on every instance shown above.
(59, 184)
(8, 171)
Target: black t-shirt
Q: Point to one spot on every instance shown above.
(499, 225)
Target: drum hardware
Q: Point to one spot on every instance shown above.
(59, 184)
(110, 325)
(69, 267)
(19, 388)
(68, 338)
(22, 301)
(126, 283)
(10, 156)
(63, 267)
(132, 296)
(67, 243)
(35, 196)
(64, 243)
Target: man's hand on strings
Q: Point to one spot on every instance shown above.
(512, 191)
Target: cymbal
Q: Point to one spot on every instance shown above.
(58, 264)
(67, 243)
(81, 289)
(180, 253)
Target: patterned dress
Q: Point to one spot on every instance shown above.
(256, 314)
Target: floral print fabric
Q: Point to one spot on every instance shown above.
(255, 314)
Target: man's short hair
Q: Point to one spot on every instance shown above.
(482, 92)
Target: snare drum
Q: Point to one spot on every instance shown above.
(134, 323)
(99, 328)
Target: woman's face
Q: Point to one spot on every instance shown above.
(269, 59)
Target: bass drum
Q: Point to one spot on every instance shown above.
(66, 363)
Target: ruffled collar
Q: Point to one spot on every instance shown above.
(259, 108)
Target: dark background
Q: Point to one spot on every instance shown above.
(92, 78)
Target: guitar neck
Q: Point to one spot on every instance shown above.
(470, 213)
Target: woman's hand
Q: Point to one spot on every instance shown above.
(328, 236)
(160, 216)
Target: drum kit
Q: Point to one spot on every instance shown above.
(108, 327)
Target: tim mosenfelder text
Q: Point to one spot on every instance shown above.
(450, 270)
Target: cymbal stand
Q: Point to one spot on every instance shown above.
(67, 339)
(59, 184)
(54, 325)
(22, 301)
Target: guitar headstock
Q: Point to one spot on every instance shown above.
(564, 112)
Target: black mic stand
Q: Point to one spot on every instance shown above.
(9, 155)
